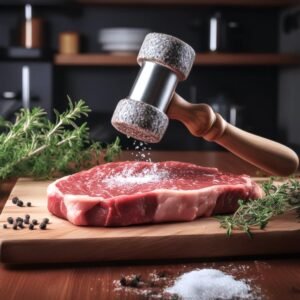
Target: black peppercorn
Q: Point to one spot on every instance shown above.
(15, 200)
(34, 222)
(123, 281)
(28, 204)
(135, 281)
(162, 274)
(20, 203)
(10, 220)
(31, 226)
(18, 219)
(46, 220)
(26, 220)
(15, 227)
(43, 226)
(20, 225)
(4, 226)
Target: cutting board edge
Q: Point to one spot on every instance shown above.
(16, 251)
(58, 251)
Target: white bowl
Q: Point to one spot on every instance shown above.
(122, 35)
(115, 47)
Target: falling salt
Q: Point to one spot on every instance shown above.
(209, 284)
(140, 149)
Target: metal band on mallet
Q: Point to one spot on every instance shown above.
(154, 85)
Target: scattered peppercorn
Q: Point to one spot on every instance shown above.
(18, 219)
(123, 281)
(4, 226)
(46, 220)
(31, 226)
(43, 226)
(20, 203)
(20, 225)
(28, 204)
(26, 220)
(10, 220)
(34, 222)
(131, 281)
(15, 200)
(162, 274)
(15, 227)
(135, 281)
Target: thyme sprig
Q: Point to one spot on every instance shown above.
(257, 213)
(36, 147)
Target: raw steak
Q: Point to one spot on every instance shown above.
(126, 193)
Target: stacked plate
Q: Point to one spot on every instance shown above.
(122, 39)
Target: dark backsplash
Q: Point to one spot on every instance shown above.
(252, 88)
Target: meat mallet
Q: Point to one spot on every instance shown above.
(144, 114)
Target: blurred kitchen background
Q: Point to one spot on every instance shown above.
(247, 65)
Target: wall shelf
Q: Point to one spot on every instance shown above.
(247, 59)
(261, 3)
(95, 59)
(202, 59)
(245, 3)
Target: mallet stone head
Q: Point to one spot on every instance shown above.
(164, 61)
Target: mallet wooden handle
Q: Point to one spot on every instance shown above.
(201, 121)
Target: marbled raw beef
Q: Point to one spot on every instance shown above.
(127, 193)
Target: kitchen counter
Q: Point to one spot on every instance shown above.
(272, 277)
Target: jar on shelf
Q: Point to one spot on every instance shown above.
(68, 42)
(32, 30)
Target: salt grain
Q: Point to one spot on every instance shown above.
(127, 177)
(209, 284)
(140, 148)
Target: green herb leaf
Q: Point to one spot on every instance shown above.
(33, 146)
(257, 213)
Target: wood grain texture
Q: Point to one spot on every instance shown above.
(202, 238)
(201, 120)
(222, 160)
(5, 189)
(247, 59)
(202, 59)
(277, 278)
(123, 59)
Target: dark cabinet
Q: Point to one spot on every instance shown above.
(250, 79)
(25, 84)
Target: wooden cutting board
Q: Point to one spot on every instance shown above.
(64, 242)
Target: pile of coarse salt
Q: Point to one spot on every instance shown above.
(209, 284)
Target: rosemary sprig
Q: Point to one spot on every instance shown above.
(33, 146)
(257, 213)
(113, 150)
